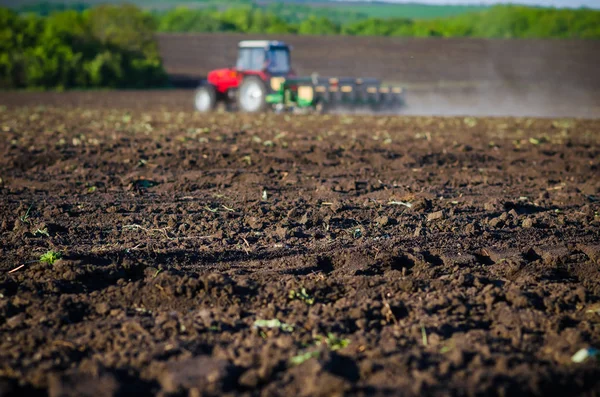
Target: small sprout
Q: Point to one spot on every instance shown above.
(333, 342)
(157, 272)
(268, 143)
(228, 208)
(301, 295)
(424, 336)
(445, 349)
(25, 218)
(274, 323)
(41, 232)
(300, 358)
(357, 233)
(534, 141)
(264, 195)
(50, 257)
(584, 354)
(92, 189)
(213, 210)
(247, 159)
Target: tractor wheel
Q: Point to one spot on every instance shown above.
(252, 95)
(205, 99)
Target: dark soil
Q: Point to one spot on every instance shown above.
(401, 255)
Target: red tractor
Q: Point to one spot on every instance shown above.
(260, 69)
(263, 78)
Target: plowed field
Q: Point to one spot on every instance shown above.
(231, 254)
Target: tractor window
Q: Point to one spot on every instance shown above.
(278, 60)
(251, 59)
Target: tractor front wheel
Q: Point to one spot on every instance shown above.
(252, 95)
(206, 98)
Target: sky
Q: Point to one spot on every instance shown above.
(547, 3)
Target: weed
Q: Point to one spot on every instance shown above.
(50, 257)
(301, 295)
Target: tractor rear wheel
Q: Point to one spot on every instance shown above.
(205, 99)
(252, 95)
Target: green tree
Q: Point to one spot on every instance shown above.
(318, 25)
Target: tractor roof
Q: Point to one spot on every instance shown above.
(261, 44)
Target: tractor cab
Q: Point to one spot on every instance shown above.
(269, 57)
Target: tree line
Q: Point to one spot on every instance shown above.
(502, 21)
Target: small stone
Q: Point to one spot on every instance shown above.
(421, 204)
(281, 232)
(304, 220)
(435, 216)
(382, 220)
(254, 223)
(527, 223)
(492, 206)
(102, 308)
(496, 222)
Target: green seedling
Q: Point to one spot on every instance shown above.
(300, 358)
(50, 257)
(274, 323)
(25, 218)
(424, 336)
(301, 295)
(332, 342)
